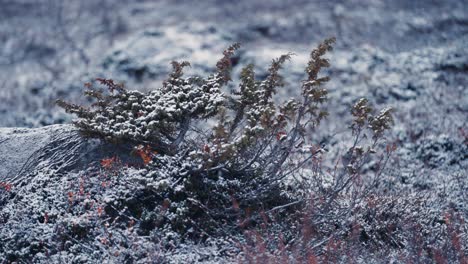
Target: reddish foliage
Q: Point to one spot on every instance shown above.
(6, 186)
(46, 218)
(100, 210)
(145, 153)
(235, 204)
(104, 240)
(166, 204)
(70, 196)
(281, 136)
(439, 258)
(108, 163)
(131, 223)
(312, 259)
(391, 147)
(111, 85)
(82, 189)
(206, 148)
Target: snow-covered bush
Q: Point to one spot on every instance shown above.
(217, 163)
(202, 169)
(218, 154)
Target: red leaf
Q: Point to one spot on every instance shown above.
(145, 153)
(46, 218)
(5, 185)
(206, 148)
(70, 196)
(281, 136)
(108, 163)
(100, 210)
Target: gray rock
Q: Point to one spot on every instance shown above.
(17, 145)
(23, 151)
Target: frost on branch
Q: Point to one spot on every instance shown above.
(210, 174)
(241, 155)
(160, 117)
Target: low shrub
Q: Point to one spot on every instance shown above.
(217, 164)
(216, 148)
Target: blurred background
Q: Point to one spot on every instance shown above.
(412, 55)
